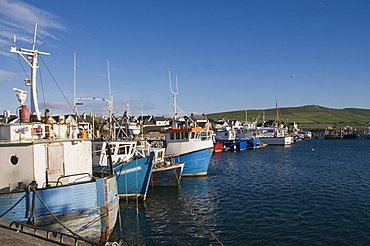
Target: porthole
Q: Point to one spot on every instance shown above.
(14, 159)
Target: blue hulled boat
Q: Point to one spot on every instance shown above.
(46, 172)
(133, 169)
(193, 146)
(77, 207)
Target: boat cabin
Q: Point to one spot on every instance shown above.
(121, 151)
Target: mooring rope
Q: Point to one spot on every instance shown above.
(10, 209)
(196, 216)
(65, 227)
(88, 224)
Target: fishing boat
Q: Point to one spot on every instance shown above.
(232, 139)
(307, 134)
(330, 133)
(218, 147)
(46, 172)
(277, 134)
(348, 133)
(274, 136)
(133, 169)
(192, 145)
(255, 143)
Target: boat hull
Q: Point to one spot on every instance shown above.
(167, 176)
(349, 136)
(276, 140)
(331, 136)
(253, 143)
(133, 177)
(77, 206)
(196, 163)
(219, 147)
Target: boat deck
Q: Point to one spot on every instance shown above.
(14, 238)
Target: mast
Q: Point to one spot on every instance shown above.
(32, 61)
(277, 115)
(110, 104)
(74, 83)
(174, 94)
(142, 121)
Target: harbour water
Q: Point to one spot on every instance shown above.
(315, 192)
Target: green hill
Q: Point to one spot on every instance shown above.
(307, 117)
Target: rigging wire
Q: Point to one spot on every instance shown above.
(20, 62)
(60, 89)
(56, 83)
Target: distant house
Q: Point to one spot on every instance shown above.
(200, 120)
(161, 121)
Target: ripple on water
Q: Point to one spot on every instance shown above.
(269, 196)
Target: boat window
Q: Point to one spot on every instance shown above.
(98, 149)
(178, 135)
(160, 154)
(172, 136)
(192, 135)
(185, 135)
(14, 159)
(122, 149)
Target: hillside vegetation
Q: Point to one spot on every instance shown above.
(307, 117)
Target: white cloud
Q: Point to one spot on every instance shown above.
(18, 18)
(6, 76)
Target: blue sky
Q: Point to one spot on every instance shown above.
(228, 55)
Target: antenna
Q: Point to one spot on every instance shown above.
(14, 40)
(174, 93)
(34, 37)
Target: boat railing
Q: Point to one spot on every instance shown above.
(72, 175)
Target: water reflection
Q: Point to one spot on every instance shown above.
(274, 195)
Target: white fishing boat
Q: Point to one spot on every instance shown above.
(274, 136)
(277, 134)
(192, 145)
(46, 173)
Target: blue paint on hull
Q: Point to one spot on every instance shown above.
(195, 163)
(253, 143)
(236, 145)
(74, 205)
(133, 177)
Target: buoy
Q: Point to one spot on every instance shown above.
(313, 149)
